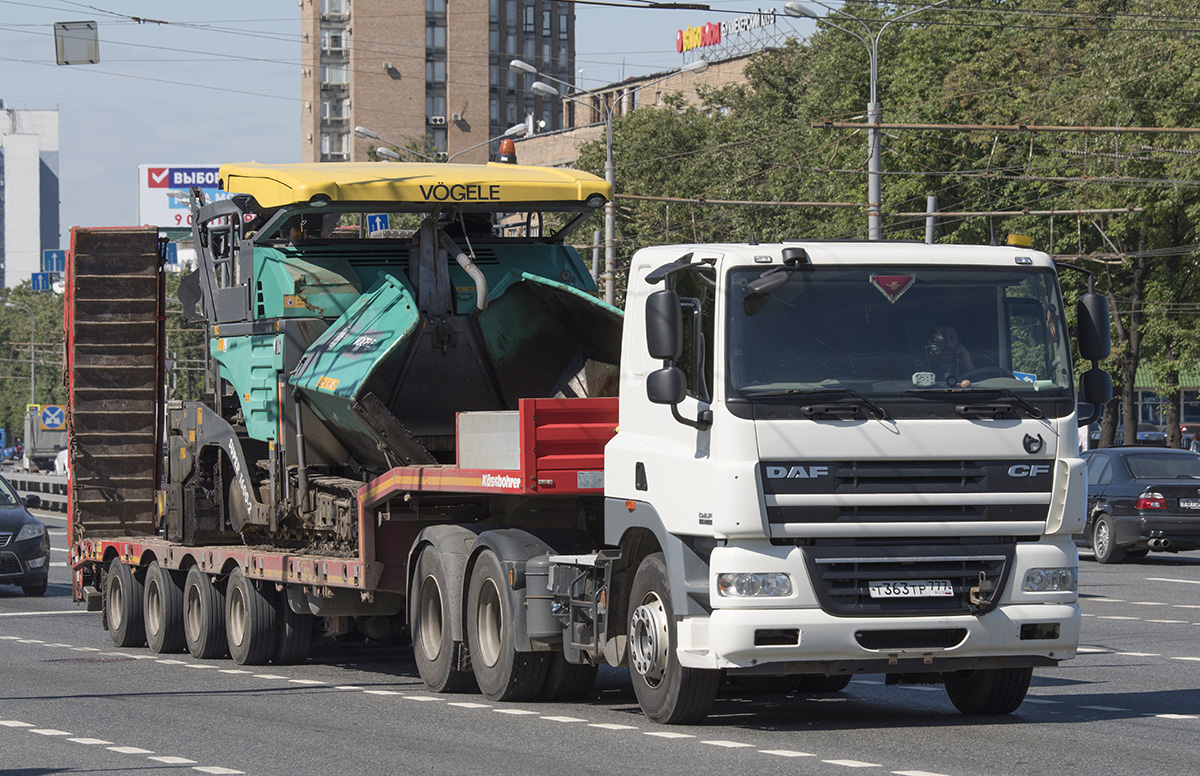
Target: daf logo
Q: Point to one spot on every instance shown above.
(1028, 470)
(796, 472)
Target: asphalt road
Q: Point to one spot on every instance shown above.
(74, 704)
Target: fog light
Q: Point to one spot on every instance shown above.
(37, 563)
(1051, 580)
(753, 585)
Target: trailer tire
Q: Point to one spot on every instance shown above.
(123, 596)
(294, 639)
(503, 673)
(567, 681)
(249, 621)
(437, 655)
(204, 616)
(667, 692)
(988, 691)
(163, 610)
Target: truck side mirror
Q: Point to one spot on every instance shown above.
(666, 386)
(1095, 336)
(1095, 386)
(664, 325)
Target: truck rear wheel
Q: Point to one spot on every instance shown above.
(666, 691)
(249, 621)
(203, 616)
(123, 597)
(294, 638)
(437, 654)
(164, 610)
(988, 691)
(503, 673)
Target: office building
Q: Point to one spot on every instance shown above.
(406, 69)
(28, 190)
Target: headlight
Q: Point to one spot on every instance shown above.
(31, 531)
(753, 585)
(1051, 580)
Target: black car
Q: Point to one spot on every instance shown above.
(24, 543)
(1141, 499)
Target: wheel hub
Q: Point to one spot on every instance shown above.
(648, 640)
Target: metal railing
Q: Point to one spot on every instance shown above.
(50, 488)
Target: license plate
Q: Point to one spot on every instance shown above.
(1189, 503)
(925, 588)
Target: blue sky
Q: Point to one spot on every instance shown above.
(221, 83)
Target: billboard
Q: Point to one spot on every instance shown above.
(163, 188)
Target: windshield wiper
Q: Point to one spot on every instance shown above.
(1033, 410)
(876, 410)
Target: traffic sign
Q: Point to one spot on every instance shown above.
(40, 281)
(53, 417)
(172, 253)
(377, 222)
(54, 260)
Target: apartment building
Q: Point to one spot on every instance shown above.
(408, 69)
(29, 188)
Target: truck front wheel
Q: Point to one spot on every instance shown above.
(123, 596)
(203, 616)
(164, 610)
(666, 691)
(435, 651)
(249, 621)
(988, 691)
(503, 673)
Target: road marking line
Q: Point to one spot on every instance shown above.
(668, 734)
(920, 688)
(1116, 617)
(173, 760)
(113, 654)
(469, 705)
(129, 750)
(1175, 622)
(917, 773)
(1186, 606)
(39, 614)
(301, 681)
(1040, 700)
(215, 769)
(233, 671)
(199, 665)
(381, 692)
(611, 726)
(90, 741)
(347, 687)
(1197, 659)
(1139, 654)
(1107, 600)
(266, 676)
(171, 662)
(86, 649)
(30, 641)
(726, 744)
(49, 732)
(1092, 650)
(852, 763)
(423, 698)
(58, 645)
(514, 712)
(786, 753)
(1103, 708)
(1177, 716)
(1146, 603)
(564, 719)
(14, 723)
(9, 638)
(1168, 579)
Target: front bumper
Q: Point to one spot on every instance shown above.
(24, 563)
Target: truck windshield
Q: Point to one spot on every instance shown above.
(898, 330)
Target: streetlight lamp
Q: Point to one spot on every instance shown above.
(516, 130)
(610, 170)
(364, 132)
(874, 109)
(32, 328)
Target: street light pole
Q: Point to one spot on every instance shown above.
(610, 167)
(32, 330)
(370, 135)
(516, 130)
(874, 109)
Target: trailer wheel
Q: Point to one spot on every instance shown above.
(249, 621)
(294, 637)
(437, 654)
(164, 610)
(503, 673)
(988, 691)
(666, 691)
(123, 606)
(567, 681)
(203, 616)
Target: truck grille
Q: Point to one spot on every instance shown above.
(841, 573)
